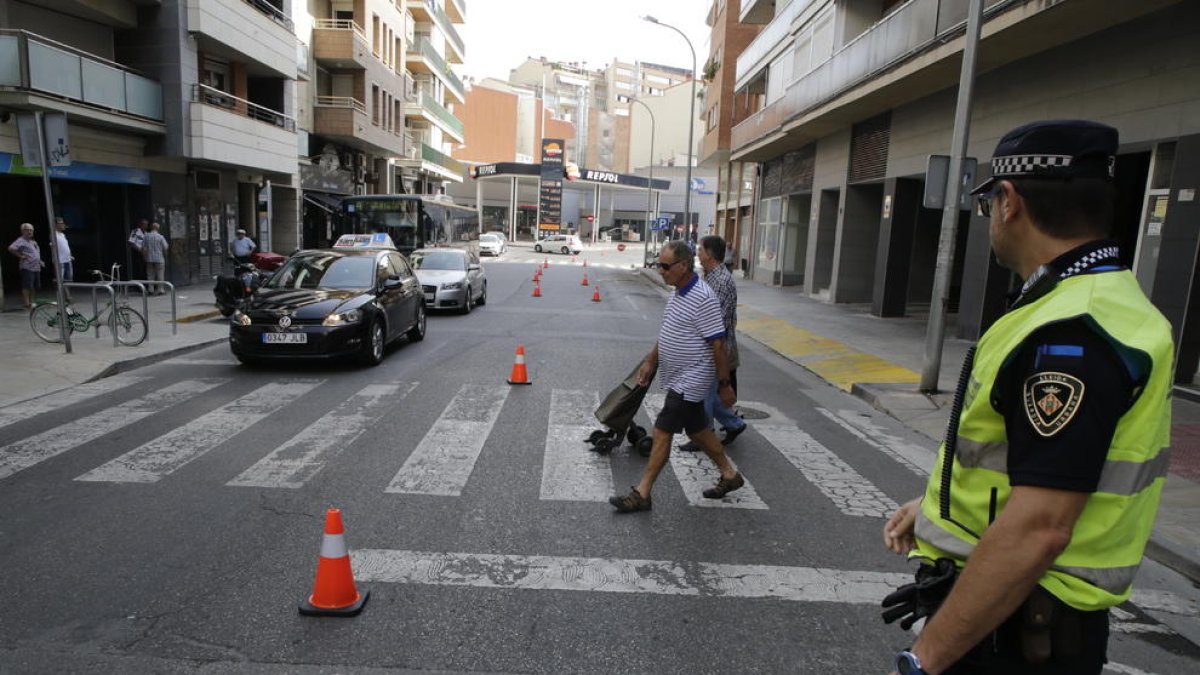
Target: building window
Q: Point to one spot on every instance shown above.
(714, 115)
(375, 104)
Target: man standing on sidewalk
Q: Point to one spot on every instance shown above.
(155, 246)
(1038, 510)
(241, 247)
(65, 260)
(718, 278)
(25, 248)
(689, 355)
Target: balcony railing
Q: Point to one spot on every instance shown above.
(429, 154)
(443, 22)
(30, 61)
(752, 59)
(459, 7)
(438, 64)
(342, 102)
(341, 24)
(897, 37)
(439, 112)
(277, 15)
(215, 97)
(302, 55)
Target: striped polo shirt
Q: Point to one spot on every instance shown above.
(691, 321)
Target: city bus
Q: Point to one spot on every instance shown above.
(412, 221)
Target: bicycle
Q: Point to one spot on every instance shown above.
(128, 324)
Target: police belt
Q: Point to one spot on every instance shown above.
(1042, 627)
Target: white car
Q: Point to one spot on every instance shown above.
(565, 244)
(491, 244)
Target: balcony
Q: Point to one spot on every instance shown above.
(347, 121)
(38, 73)
(255, 30)
(230, 130)
(426, 107)
(425, 11)
(433, 161)
(909, 54)
(457, 10)
(422, 58)
(758, 11)
(341, 44)
(771, 40)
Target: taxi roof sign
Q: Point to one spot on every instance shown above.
(374, 240)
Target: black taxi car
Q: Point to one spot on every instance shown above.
(351, 300)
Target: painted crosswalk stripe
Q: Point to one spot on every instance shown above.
(913, 457)
(443, 460)
(64, 399)
(570, 470)
(696, 472)
(846, 488)
(36, 449)
(148, 463)
(205, 362)
(292, 464)
(614, 575)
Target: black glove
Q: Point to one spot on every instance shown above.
(923, 597)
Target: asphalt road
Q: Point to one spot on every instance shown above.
(170, 519)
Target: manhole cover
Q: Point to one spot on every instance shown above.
(751, 413)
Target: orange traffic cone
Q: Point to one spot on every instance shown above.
(537, 289)
(546, 263)
(585, 262)
(519, 376)
(596, 294)
(585, 281)
(334, 593)
(537, 274)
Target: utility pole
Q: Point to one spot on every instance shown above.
(936, 328)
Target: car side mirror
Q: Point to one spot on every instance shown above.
(392, 282)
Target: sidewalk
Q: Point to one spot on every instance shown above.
(33, 368)
(880, 361)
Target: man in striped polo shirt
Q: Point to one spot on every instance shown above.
(689, 355)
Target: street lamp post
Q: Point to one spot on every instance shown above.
(687, 195)
(649, 181)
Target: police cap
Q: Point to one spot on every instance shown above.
(1054, 149)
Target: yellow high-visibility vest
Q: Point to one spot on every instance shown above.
(1097, 568)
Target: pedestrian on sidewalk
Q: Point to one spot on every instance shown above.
(137, 249)
(155, 246)
(719, 279)
(689, 355)
(241, 247)
(1038, 510)
(66, 266)
(27, 251)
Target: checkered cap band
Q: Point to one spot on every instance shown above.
(1090, 260)
(1022, 165)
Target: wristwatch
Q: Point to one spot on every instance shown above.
(907, 663)
(724, 383)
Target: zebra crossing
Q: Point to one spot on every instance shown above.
(443, 461)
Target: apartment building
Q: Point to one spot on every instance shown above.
(429, 168)
(857, 94)
(180, 111)
(723, 109)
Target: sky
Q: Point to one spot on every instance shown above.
(500, 34)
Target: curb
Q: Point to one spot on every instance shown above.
(1166, 555)
(149, 359)
(199, 316)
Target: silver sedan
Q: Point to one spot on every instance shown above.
(450, 278)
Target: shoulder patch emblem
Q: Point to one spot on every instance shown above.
(1051, 401)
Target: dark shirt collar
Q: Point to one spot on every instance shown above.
(1079, 260)
(688, 286)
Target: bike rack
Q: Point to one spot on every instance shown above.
(141, 286)
(112, 292)
(149, 283)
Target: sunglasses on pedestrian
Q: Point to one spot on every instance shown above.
(666, 266)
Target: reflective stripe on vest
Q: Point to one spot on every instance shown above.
(1096, 569)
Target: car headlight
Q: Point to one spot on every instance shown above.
(343, 318)
(451, 285)
(239, 318)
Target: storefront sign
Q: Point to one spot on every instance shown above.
(550, 185)
(83, 171)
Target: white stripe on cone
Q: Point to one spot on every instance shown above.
(333, 546)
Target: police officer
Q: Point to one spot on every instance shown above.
(1043, 496)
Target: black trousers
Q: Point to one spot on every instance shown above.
(1080, 646)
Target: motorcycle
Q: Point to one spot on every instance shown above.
(231, 291)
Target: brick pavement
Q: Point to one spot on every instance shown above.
(1185, 451)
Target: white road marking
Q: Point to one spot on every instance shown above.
(614, 575)
(1165, 601)
(166, 454)
(571, 471)
(913, 457)
(36, 449)
(837, 480)
(696, 472)
(292, 464)
(19, 412)
(1125, 670)
(443, 460)
(205, 362)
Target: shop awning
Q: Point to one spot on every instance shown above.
(323, 200)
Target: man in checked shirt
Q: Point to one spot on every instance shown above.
(718, 278)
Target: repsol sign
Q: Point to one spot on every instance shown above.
(602, 176)
(486, 170)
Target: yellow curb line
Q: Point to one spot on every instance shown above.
(831, 360)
